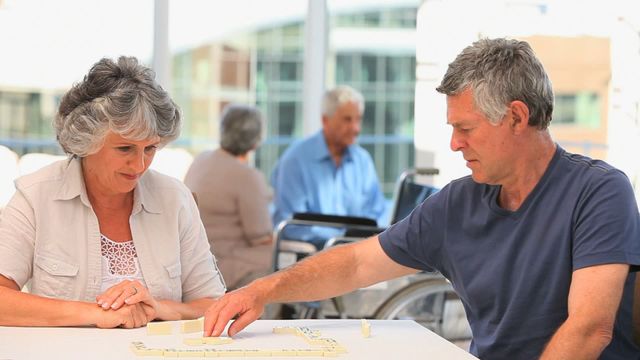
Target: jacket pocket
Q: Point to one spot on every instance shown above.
(54, 277)
(174, 273)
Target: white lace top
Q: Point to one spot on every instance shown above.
(119, 262)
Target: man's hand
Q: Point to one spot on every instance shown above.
(127, 316)
(245, 302)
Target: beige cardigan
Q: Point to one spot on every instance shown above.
(50, 234)
(233, 199)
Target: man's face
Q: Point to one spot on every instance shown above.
(342, 129)
(487, 148)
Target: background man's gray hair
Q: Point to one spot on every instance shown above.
(240, 129)
(339, 96)
(122, 97)
(499, 71)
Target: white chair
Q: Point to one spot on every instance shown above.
(9, 166)
(32, 162)
(174, 162)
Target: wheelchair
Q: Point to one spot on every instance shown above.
(428, 298)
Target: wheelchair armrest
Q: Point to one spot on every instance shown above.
(342, 219)
(301, 248)
(297, 246)
(340, 241)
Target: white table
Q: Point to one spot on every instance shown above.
(390, 339)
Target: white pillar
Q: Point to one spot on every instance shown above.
(315, 57)
(161, 63)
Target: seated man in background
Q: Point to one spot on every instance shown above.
(233, 198)
(327, 172)
(540, 244)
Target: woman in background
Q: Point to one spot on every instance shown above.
(233, 198)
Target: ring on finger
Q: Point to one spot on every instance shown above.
(135, 290)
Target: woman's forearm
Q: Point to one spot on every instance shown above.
(172, 310)
(22, 309)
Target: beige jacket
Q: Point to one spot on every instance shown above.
(50, 234)
(233, 199)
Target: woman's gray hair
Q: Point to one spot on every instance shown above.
(120, 96)
(499, 71)
(240, 129)
(339, 96)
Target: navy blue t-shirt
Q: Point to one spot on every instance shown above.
(512, 269)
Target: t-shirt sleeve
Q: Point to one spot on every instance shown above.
(607, 224)
(415, 241)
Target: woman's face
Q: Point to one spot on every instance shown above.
(117, 166)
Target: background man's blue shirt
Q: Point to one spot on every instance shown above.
(306, 179)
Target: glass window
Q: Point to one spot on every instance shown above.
(286, 118)
(369, 68)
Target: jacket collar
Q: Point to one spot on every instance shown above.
(73, 186)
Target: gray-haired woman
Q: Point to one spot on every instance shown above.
(233, 198)
(103, 240)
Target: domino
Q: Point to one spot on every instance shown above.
(365, 328)
(194, 341)
(191, 326)
(159, 328)
(190, 353)
(220, 340)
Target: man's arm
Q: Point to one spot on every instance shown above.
(330, 273)
(594, 298)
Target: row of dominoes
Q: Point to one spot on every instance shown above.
(208, 341)
(312, 337)
(140, 349)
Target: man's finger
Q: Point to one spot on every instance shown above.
(241, 322)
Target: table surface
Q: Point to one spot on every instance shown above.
(390, 339)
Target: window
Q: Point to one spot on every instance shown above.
(582, 108)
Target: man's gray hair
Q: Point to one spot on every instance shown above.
(120, 96)
(339, 96)
(240, 129)
(499, 71)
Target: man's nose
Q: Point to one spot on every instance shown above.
(456, 142)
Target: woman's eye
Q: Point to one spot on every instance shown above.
(124, 148)
(151, 148)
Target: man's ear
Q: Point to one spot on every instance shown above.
(519, 115)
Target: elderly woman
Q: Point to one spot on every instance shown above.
(103, 240)
(233, 198)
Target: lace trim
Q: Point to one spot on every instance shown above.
(121, 256)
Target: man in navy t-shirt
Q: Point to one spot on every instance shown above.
(541, 245)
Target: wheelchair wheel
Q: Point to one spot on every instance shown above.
(423, 301)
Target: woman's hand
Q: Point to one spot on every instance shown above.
(127, 292)
(127, 316)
